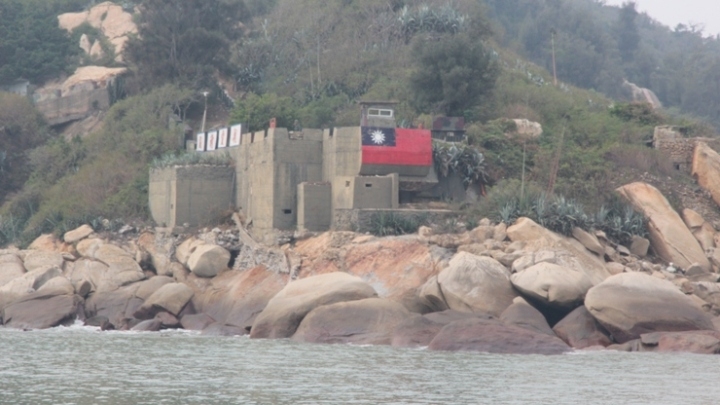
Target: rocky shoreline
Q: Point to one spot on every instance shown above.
(499, 289)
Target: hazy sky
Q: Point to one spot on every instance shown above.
(674, 12)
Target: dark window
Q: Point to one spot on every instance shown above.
(287, 211)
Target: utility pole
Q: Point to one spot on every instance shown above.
(202, 129)
(552, 42)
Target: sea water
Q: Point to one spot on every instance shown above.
(83, 366)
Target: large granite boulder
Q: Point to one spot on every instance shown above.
(630, 304)
(476, 284)
(158, 248)
(118, 305)
(580, 330)
(703, 230)
(543, 245)
(420, 330)
(699, 342)
(236, 298)
(11, 267)
(492, 336)
(287, 308)
(122, 269)
(171, 298)
(368, 321)
(78, 234)
(86, 270)
(706, 169)
(208, 260)
(45, 308)
(669, 236)
(26, 284)
(553, 285)
(36, 259)
(524, 315)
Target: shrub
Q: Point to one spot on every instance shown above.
(392, 223)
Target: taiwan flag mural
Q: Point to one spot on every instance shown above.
(394, 148)
(375, 136)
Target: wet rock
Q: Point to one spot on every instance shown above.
(42, 309)
(219, 329)
(170, 297)
(287, 308)
(237, 298)
(196, 321)
(150, 325)
(630, 304)
(492, 336)
(368, 321)
(524, 315)
(580, 330)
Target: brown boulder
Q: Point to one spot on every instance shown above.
(706, 169)
(237, 298)
(43, 309)
(287, 308)
(553, 285)
(476, 284)
(208, 260)
(170, 297)
(415, 331)
(699, 342)
(491, 336)
(117, 305)
(368, 321)
(11, 267)
(580, 330)
(78, 234)
(524, 315)
(669, 237)
(630, 304)
(196, 321)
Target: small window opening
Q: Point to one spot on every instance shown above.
(287, 211)
(347, 183)
(368, 184)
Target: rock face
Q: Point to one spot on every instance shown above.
(544, 245)
(110, 19)
(669, 236)
(555, 286)
(630, 304)
(78, 234)
(491, 336)
(476, 284)
(208, 260)
(170, 297)
(706, 169)
(286, 309)
(703, 231)
(42, 309)
(368, 321)
(237, 298)
(524, 315)
(699, 342)
(580, 330)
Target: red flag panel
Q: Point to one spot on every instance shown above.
(413, 147)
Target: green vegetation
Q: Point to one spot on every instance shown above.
(392, 223)
(308, 62)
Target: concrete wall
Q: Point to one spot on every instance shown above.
(360, 192)
(342, 152)
(193, 195)
(314, 211)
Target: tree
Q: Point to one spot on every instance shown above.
(628, 35)
(185, 41)
(32, 46)
(256, 111)
(452, 74)
(21, 129)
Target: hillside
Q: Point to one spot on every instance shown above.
(484, 61)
